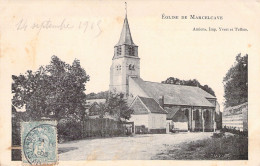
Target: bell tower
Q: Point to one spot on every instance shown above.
(125, 62)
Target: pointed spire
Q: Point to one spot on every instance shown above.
(125, 9)
(125, 37)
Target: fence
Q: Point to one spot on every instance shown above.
(105, 128)
(235, 118)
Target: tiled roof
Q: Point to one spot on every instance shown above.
(152, 105)
(175, 94)
(138, 106)
(144, 105)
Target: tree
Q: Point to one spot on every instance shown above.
(99, 95)
(54, 91)
(117, 106)
(194, 82)
(236, 82)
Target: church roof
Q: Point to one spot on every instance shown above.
(176, 115)
(171, 112)
(125, 37)
(145, 105)
(175, 94)
(180, 117)
(152, 105)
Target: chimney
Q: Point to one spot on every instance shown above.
(161, 101)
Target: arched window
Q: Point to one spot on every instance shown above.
(206, 115)
(130, 67)
(186, 112)
(196, 115)
(119, 50)
(130, 51)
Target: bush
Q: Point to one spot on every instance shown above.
(231, 148)
(218, 135)
(222, 148)
(234, 131)
(69, 130)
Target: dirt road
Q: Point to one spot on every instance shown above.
(138, 147)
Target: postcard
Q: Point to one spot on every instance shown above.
(130, 82)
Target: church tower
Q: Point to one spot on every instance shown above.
(125, 62)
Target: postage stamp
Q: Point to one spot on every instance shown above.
(39, 142)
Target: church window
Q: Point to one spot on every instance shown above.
(133, 51)
(130, 67)
(186, 112)
(193, 115)
(119, 50)
(118, 67)
(206, 115)
(196, 115)
(130, 50)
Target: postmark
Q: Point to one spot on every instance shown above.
(39, 142)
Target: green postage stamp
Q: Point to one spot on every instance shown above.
(39, 142)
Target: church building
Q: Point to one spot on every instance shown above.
(158, 108)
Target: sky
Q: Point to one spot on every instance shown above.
(167, 47)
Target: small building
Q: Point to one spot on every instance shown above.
(93, 107)
(148, 115)
(236, 117)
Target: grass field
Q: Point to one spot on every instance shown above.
(231, 147)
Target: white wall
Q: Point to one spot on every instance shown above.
(139, 119)
(135, 90)
(157, 121)
(180, 126)
(233, 121)
(118, 78)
